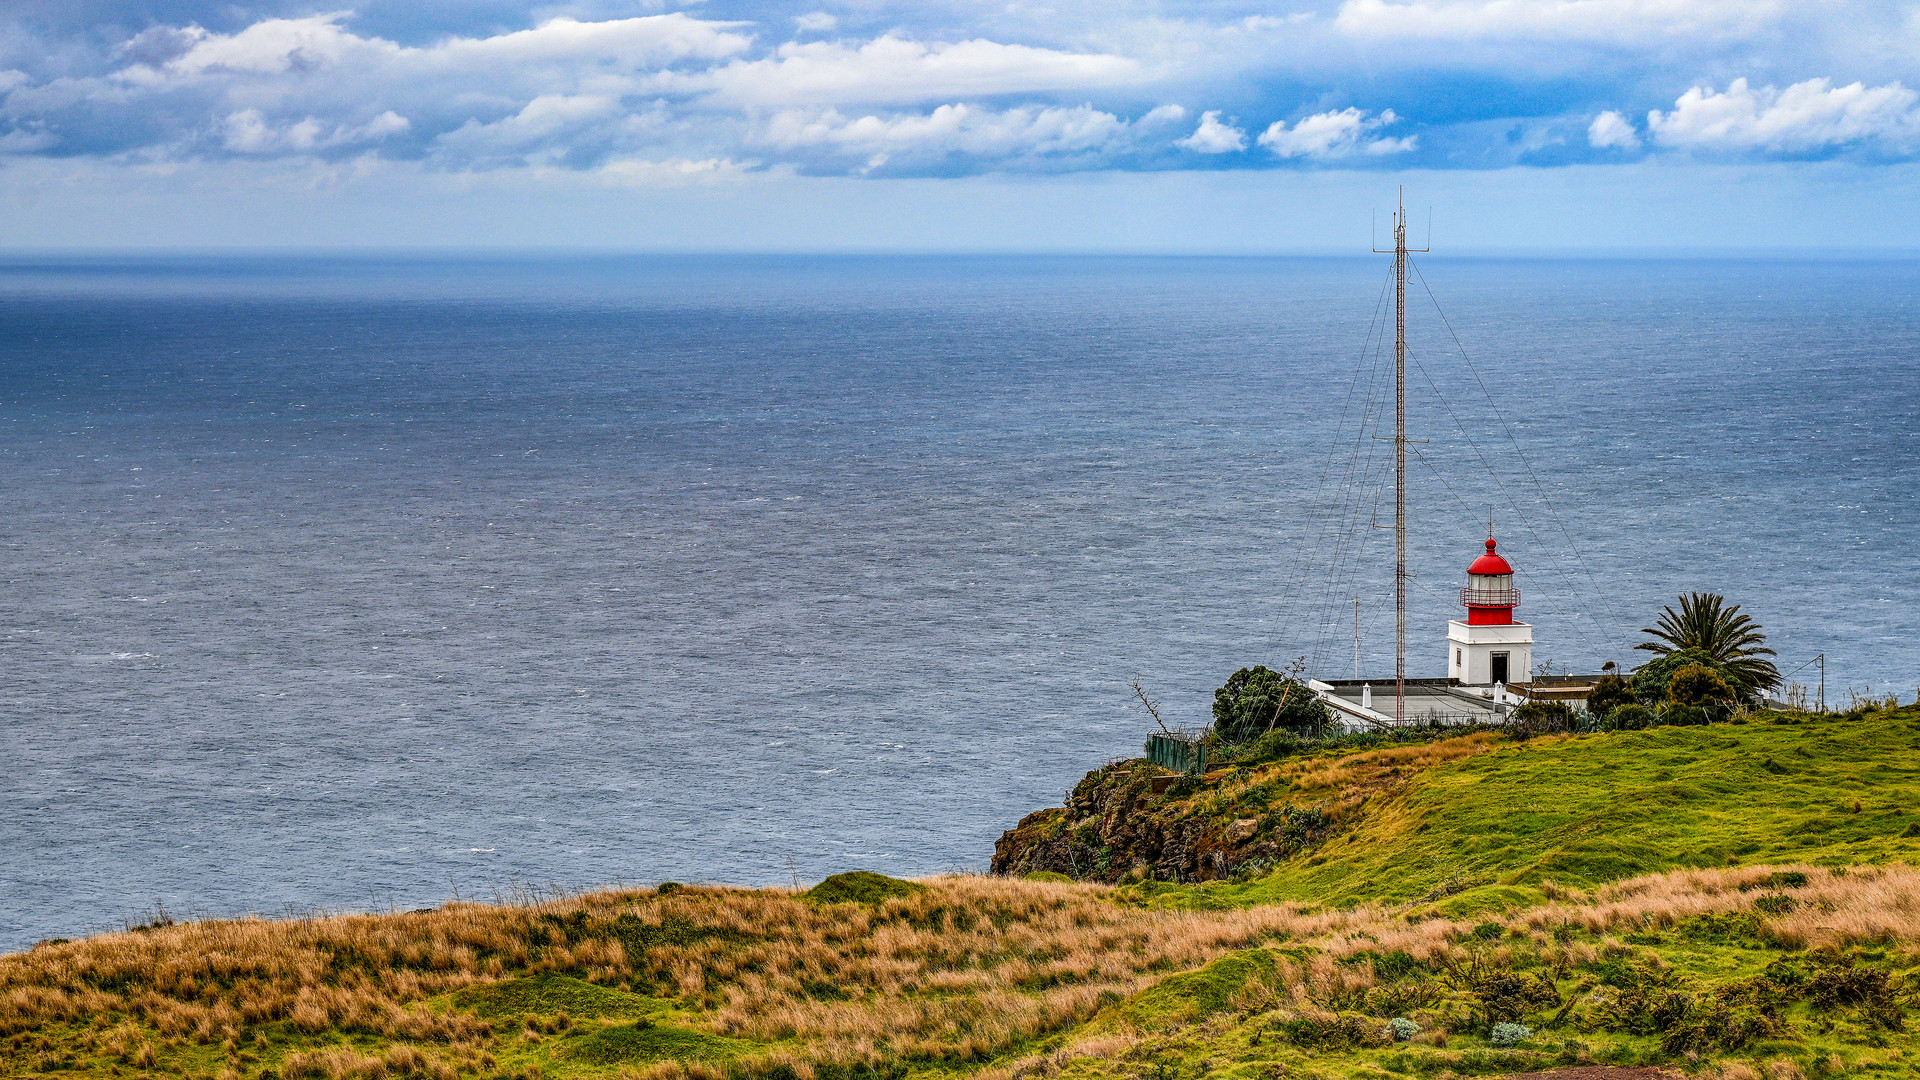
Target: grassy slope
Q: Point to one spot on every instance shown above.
(1043, 979)
(1582, 810)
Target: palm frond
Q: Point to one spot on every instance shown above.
(1704, 622)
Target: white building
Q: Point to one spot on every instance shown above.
(1489, 647)
(1486, 652)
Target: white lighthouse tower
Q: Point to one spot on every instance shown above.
(1489, 646)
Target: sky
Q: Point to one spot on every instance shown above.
(1059, 125)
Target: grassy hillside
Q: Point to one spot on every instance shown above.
(1732, 900)
(1495, 828)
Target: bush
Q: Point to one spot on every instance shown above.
(860, 887)
(1402, 1029)
(1504, 997)
(1542, 718)
(1404, 996)
(1650, 681)
(1509, 1034)
(1631, 718)
(1698, 684)
(1274, 745)
(1609, 693)
(1685, 715)
(1257, 700)
(1335, 1031)
(1708, 1025)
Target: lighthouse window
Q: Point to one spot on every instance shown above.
(1456, 658)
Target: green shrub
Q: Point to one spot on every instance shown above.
(1645, 1000)
(1609, 692)
(860, 887)
(1733, 928)
(1273, 746)
(1698, 684)
(1685, 715)
(1541, 718)
(1402, 1029)
(1631, 718)
(1403, 996)
(1505, 997)
(1257, 700)
(1714, 1024)
(1339, 1031)
(1842, 983)
(1650, 680)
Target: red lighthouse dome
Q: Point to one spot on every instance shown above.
(1490, 564)
(1490, 596)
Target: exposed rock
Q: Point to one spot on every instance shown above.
(1114, 826)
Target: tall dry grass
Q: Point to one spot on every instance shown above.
(1858, 905)
(1339, 784)
(963, 971)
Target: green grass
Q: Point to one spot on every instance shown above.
(1195, 995)
(1198, 1024)
(860, 887)
(550, 995)
(631, 1044)
(1475, 834)
(1484, 832)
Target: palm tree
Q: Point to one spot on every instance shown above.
(1732, 639)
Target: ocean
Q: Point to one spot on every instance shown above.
(348, 584)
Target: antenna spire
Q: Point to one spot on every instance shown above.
(1400, 251)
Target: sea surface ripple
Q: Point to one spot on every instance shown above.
(346, 584)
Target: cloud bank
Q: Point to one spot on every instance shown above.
(903, 89)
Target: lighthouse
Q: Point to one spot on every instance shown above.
(1488, 646)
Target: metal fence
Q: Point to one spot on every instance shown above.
(1437, 720)
(1179, 752)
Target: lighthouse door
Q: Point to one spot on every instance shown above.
(1499, 667)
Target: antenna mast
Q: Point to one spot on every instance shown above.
(1400, 251)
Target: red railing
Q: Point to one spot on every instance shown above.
(1490, 597)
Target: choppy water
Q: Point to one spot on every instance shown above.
(351, 584)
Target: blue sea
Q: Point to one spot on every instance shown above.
(336, 584)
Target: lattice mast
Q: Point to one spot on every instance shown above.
(1400, 252)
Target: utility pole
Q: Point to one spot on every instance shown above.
(1400, 251)
(1823, 681)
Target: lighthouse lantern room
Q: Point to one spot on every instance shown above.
(1489, 646)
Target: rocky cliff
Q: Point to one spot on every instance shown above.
(1114, 827)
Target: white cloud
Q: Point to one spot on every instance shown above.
(815, 22)
(1806, 116)
(26, 142)
(1630, 22)
(1346, 133)
(1214, 137)
(250, 132)
(677, 172)
(1611, 129)
(895, 70)
(318, 46)
(1016, 132)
